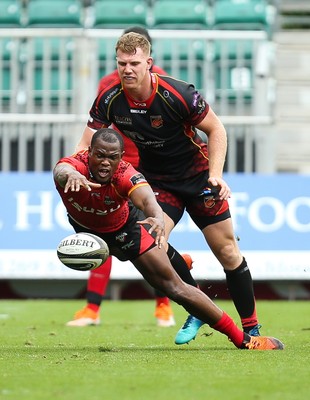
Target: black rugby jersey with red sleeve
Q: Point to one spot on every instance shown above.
(103, 209)
(162, 127)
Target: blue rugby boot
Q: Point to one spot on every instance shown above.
(189, 330)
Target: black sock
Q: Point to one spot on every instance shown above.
(180, 266)
(93, 298)
(240, 286)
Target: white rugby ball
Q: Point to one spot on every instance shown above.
(82, 251)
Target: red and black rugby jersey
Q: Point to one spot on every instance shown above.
(103, 209)
(162, 127)
(131, 152)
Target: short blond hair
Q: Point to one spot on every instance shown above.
(129, 42)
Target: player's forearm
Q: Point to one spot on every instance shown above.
(151, 209)
(147, 203)
(61, 173)
(217, 148)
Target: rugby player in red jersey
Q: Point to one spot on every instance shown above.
(106, 196)
(162, 116)
(98, 279)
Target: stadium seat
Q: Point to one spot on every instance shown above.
(120, 13)
(55, 13)
(10, 14)
(240, 14)
(233, 70)
(171, 14)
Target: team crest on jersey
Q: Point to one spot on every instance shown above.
(121, 237)
(136, 179)
(157, 121)
(209, 201)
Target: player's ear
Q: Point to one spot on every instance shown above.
(149, 62)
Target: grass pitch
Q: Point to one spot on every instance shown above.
(129, 358)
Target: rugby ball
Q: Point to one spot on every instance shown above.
(82, 251)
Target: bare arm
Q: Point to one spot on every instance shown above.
(144, 199)
(217, 148)
(69, 178)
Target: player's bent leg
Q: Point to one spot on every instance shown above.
(155, 268)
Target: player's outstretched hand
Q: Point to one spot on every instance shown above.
(157, 226)
(76, 180)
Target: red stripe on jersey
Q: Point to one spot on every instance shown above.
(171, 89)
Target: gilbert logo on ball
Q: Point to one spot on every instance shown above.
(82, 251)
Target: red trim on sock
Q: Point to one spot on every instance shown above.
(160, 300)
(93, 307)
(228, 327)
(250, 321)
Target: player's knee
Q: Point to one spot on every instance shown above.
(229, 256)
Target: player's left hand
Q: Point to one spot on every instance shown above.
(224, 190)
(157, 226)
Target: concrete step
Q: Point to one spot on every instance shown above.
(293, 101)
(293, 65)
(292, 147)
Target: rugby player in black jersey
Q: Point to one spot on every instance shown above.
(161, 116)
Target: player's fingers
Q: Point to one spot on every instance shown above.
(161, 241)
(225, 192)
(93, 185)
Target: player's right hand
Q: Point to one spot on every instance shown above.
(76, 180)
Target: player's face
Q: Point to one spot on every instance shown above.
(133, 69)
(104, 158)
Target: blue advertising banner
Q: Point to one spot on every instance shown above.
(271, 215)
(270, 212)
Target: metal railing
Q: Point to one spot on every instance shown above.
(49, 77)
